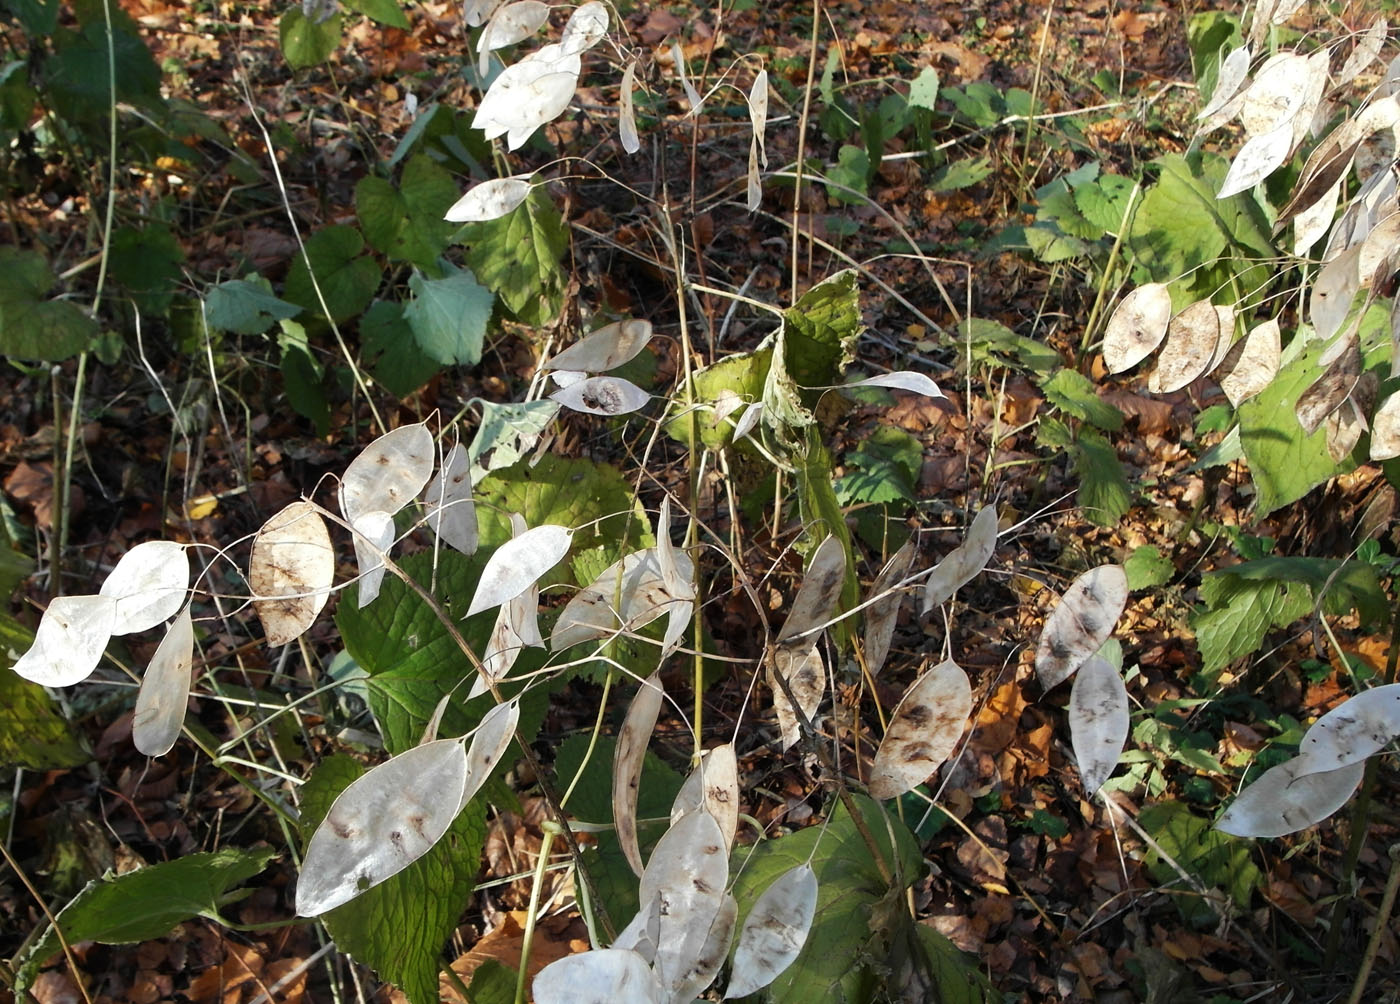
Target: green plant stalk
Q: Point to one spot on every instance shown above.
(546, 841)
(1089, 326)
(1035, 84)
(1360, 813)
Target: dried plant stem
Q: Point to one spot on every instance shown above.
(63, 942)
(1392, 883)
(802, 142)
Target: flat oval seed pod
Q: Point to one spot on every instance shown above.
(758, 113)
(149, 584)
(963, 563)
(516, 628)
(1368, 47)
(165, 689)
(1312, 221)
(477, 11)
(374, 536)
(801, 665)
(1233, 69)
(602, 976)
(816, 597)
(924, 729)
(1283, 801)
(1098, 721)
(1352, 731)
(585, 28)
(602, 395)
(692, 982)
(489, 200)
(774, 931)
(492, 739)
(916, 383)
(1327, 393)
(678, 61)
(626, 116)
(1335, 287)
(605, 349)
(389, 473)
(1251, 364)
(679, 587)
(714, 786)
(1260, 157)
(1192, 336)
(518, 563)
(1276, 93)
(290, 572)
(385, 820)
(883, 612)
(1080, 623)
(631, 749)
(1343, 429)
(593, 612)
(1137, 327)
(451, 511)
(513, 23)
(641, 934)
(753, 183)
(72, 635)
(1385, 429)
(688, 871)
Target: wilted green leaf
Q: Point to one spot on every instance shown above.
(146, 903)
(32, 327)
(348, 278)
(518, 257)
(399, 927)
(506, 433)
(246, 306)
(737, 381)
(993, 343)
(306, 42)
(851, 171)
(448, 316)
(962, 173)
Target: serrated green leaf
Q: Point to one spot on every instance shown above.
(1285, 462)
(1239, 612)
(843, 952)
(1103, 202)
(301, 375)
(393, 356)
(448, 316)
(1060, 209)
(1217, 860)
(820, 330)
(1075, 394)
(405, 222)
(1104, 492)
(412, 660)
(75, 75)
(399, 927)
(33, 732)
(887, 462)
(851, 171)
(960, 174)
(146, 903)
(518, 257)
(146, 260)
(1146, 567)
(384, 11)
(306, 42)
(32, 327)
(246, 306)
(348, 278)
(991, 342)
(506, 433)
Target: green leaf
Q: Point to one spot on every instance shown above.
(38, 17)
(1104, 201)
(1239, 612)
(399, 927)
(146, 260)
(517, 257)
(1104, 492)
(448, 316)
(1146, 567)
(34, 734)
(348, 278)
(393, 356)
(246, 306)
(1219, 861)
(384, 11)
(821, 514)
(306, 42)
(32, 327)
(819, 331)
(406, 223)
(146, 903)
(923, 89)
(492, 983)
(888, 465)
(1284, 461)
(76, 75)
(986, 342)
(979, 103)
(412, 659)
(17, 97)
(959, 174)
(1211, 35)
(1060, 208)
(302, 375)
(850, 935)
(506, 433)
(743, 376)
(1075, 394)
(851, 171)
